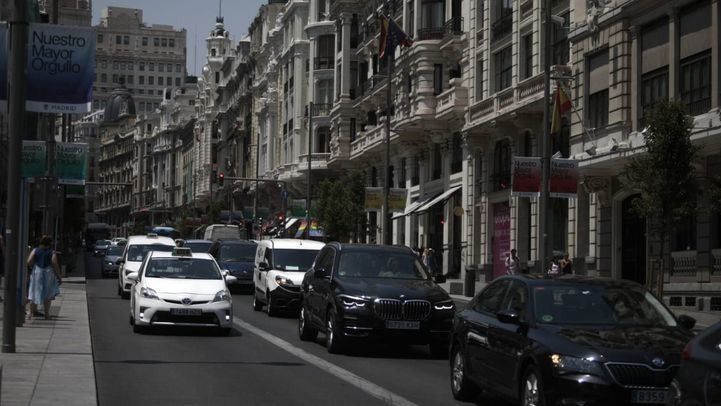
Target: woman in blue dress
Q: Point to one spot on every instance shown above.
(45, 277)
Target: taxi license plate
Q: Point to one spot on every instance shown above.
(649, 396)
(186, 312)
(403, 325)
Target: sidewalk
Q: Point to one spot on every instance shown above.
(53, 362)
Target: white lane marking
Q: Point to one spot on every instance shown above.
(353, 379)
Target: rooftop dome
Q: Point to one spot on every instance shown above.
(120, 104)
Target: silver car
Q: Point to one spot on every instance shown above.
(109, 265)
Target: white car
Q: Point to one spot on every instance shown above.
(280, 265)
(180, 288)
(134, 253)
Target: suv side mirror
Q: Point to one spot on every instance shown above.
(439, 278)
(508, 316)
(119, 261)
(263, 266)
(132, 276)
(686, 322)
(321, 273)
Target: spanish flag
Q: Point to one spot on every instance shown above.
(391, 36)
(561, 104)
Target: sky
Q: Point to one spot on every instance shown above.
(196, 16)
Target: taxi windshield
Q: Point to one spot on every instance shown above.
(182, 268)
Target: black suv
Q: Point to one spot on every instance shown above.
(569, 340)
(356, 291)
(238, 258)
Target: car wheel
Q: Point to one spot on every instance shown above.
(463, 389)
(531, 390)
(257, 305)
(439, 349)
(334, 340)
(272, 310)
(132, 320)
(305, 330)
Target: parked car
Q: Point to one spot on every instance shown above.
(357, 291)
(180, 288)
(237, 257)
(198, 245)
(224, 231)
(100, 247)
(135, 250)
(110, 260)
(119, 241)
(699, 378)
(567, 340)
(280, 265)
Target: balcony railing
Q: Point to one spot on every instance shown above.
(370, 84)
(454, 26)
(322, 62)
(699, 106)
(502, 27)
(321, 109)
(683, 263)
(427, 33)
(716, 268)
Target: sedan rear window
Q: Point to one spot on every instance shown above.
(185, 268)
(596, 304)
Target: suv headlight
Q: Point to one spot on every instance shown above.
(222, 296)
(353, 301)
(149, 293)
(564, 364)
(283, 281)
(444, 305)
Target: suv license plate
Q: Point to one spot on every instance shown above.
(649, 396)
(186, 312)
(403, 325)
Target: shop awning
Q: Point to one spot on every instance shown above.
(439, 199)
(414, 206)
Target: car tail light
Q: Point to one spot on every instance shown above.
(686, 354)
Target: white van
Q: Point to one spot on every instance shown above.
(135, 250)
(224, 232)
(280, 265)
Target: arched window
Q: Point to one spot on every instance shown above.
(501, 177)
(323, 140)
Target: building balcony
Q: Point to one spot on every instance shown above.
(431, 33)
(367, 140)
(318, 161)
(454, 26)
(452, 103)
(322, 109)
(369, 87)
(683, 263)
(515, 98)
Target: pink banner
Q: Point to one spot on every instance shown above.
(526, 176)
(564, 178)
(501, 237)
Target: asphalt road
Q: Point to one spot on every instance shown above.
(262, 363)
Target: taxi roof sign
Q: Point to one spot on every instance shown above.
(152, 235)
(182, 252)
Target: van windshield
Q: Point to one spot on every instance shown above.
(293, 260)
(224, 233)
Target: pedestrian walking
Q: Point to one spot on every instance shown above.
(429, 260)
(45, 278)
(512, 263)
(566, 265)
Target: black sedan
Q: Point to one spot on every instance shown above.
(101, 247)
(699, 378)
(238, 258)
(569, 340)
(356, 291)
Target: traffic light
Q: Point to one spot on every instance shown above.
(221, 178)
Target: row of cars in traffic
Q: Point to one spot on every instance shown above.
(531, 339)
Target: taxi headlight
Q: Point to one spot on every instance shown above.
(283, 281)
(222, 296)
(149, 293)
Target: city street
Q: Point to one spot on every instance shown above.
(262, 362)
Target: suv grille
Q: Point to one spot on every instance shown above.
(641, 375)
(394, 309)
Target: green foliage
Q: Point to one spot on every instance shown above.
(340, 207)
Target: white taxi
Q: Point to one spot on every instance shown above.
(134, 253)
(180, 288)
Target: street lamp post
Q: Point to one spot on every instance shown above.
(308, 191)
(544, 200)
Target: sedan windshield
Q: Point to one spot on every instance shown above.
(185, 268)
(136, 253)
(115, 251)
(237, 253)
(381, 264)
(602, 305)
(293, 260)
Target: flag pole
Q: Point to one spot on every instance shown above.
(386, 184)
(544, 200)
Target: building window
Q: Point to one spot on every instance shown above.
(118, 40)
(141, 66)
(177, 68)
(432, 19)
(164, 42)
(177, 82)
(437, 162)
(169, 81)
(151, 67)
(151, 80)
(437, 79)
(416, 178)
(560, 41)
(685, 235)
(115, 78)
(503, 21)
(141, 80)
(501, 177)
(160, 81)
(100, 38)
(142, 106)
(171, 42)
(323, 140)
(353, 130)
(504, 68)
(527, 67)
(457, 153)
(145, 41)
(116, 65)
(479, 79)
(156, 42)
(161, 67)
(597, 115)
(217, 77)
(654, 87)
(403, 174)
(169, 67)
(131, 79)
(103, 78)
(598, 109)
(695, 83)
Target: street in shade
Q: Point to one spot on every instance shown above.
(522, 340)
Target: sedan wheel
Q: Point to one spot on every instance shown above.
(531, 392)
(305, 330)
(334, 336)
(461, 387)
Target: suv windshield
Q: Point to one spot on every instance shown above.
(381, 264)
(186, 268)
(115, 250)
(137, 252)
(237, 253)
(602, 305)
(293, 260)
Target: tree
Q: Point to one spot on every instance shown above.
(340, 207)
(665, 174)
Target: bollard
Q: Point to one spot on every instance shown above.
(469, 286)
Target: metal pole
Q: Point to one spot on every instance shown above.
(544, 202)
(255, 195)
(16, 92)
(386, 234)
(308, 191)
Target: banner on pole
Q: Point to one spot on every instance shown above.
(397, 199)
(4, 67)
(374, 199)
(564, 178)
(526, 179)
(71, 163)
(60, 67)
(34, 157)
